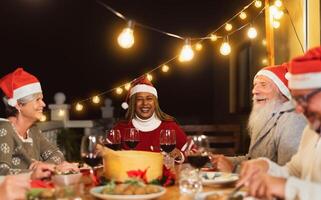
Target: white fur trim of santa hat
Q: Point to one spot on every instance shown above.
(305, 81)
(143, 88)
(24, 91)
(282, 87)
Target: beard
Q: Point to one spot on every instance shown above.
(260, 115)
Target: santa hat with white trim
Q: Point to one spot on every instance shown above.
(305, 71)
(19, 84)
(141, 84)
(278, 75)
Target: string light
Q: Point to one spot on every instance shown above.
(187, 52)
(225, 48)
(264, 42)
(165, 68)
(96, 99)
(198, 46)
(258, 4)
(243, 15)
(278, 15)
(127, 86)
(228, 26)
(126, 37)
(119, 90)
(276, 24)
(252, 33)
(43, 118)
(149, 77)
(79, 107)
(213, 37)
(61, 113)
(278, 3)
(264, 61)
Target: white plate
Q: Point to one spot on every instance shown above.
(209, 178)
(204, 195)
(96, 191)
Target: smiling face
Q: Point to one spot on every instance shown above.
(144, 105)
(264, 90)
(33, 109)
(311, 108)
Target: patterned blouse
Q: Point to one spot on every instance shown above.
(16, 153)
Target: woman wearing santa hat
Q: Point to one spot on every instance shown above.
(145, 115)
(22, 146)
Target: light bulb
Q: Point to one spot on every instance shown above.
(61, 113)
(276, 24)
(273, 10)
(187, 52)
(149, 77)
(264, 42)
(252, 33)
(96, 99)
(126, 37)
(165, 68)
(278, 3)
(258, 4)
(127, 86)
(279, 14)
(119, 90)
(213, 37)
(225, 48)
(198, 46)
(243, 15)
(228, 26)
(264, 61)
(79, 107)
(43, 118)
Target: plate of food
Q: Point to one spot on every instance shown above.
(218, 195)
(128, 191)
(209, 177)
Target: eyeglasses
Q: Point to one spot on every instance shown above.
(304, 99)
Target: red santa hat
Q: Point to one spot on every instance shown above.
(278, 75)
(19, 84)
(141, 84)
(305, 71)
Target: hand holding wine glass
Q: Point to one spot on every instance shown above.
(89, 151)
(167, 142)
(132, 138)
(200, 156)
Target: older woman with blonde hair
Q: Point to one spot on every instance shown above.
(22, 145)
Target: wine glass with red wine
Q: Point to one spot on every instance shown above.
(89, 152)
(199, 156)
(131, 138)
(167, 142)
(113, 139)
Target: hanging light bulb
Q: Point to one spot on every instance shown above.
(126, 37)
(228, 26)
(165, 68)
(276, 24)
(79, 107)
(43, 118)
(187, 52)
(264, 42)
(258, 4)
(278, 3)
(119, 90)
(198, 46)
(225, 48)
(95, 99)
(252, 33)
(213, 37)
(273, 10)
(149, 77)
(278, 15)
(243, 15)
(264, 61)
(127, 86)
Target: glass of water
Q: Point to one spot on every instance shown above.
(190, 183)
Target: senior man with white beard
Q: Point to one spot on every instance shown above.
(274, 127)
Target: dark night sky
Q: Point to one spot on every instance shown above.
(70, 45)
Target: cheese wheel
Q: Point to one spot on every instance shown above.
(118, 163)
